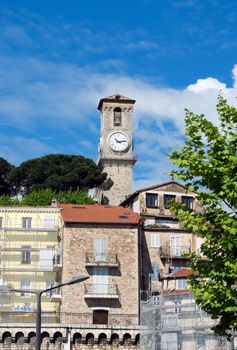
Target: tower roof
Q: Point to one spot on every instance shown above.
(115, 98)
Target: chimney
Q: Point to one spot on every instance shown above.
(54, 203)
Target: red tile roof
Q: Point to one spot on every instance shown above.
(85, 213)
(184, 272)
(175, 291)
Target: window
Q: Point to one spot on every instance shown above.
(152, 200)
(0, 222)
(167, 199)
(155, 240)
(100, 316)
(188, 201)
(175, 245)
(177, 308)
(182, 283)
(155, 272)
(26, 254)
(25, 284)
(221, 340)
(49, 283)
(101, 249)
(46, 257)
(200, 338)
(49, 221)
(100, 280)
(117, 116)
(26, 222)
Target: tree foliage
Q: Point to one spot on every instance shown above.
(5, 169)
(44, 198)
(207, 163)
(6, 200)
(58, 172)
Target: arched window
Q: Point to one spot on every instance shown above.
(117, 116)
(77, 338)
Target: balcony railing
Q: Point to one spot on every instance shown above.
(32, 225)
(175, 251)
(102, 260)
(109, 291)
(29, 259)
(55, 295)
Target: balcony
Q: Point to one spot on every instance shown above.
(55, 295)
(101, 291)
(57, 264)
(31, 226)
(175, 251)
(106, 260)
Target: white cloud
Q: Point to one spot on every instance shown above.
(202, 85)
(64, 96)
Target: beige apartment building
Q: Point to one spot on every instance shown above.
(30, 253)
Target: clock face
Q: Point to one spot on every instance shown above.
(118, 142)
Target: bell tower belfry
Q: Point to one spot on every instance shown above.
(116, 146)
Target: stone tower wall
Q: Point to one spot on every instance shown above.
(118, 165)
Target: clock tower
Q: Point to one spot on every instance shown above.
(116, 147)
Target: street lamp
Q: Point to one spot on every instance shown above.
(38, 294)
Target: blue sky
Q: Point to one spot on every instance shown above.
(58, 58)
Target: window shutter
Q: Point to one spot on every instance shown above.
(155, 272)
(49, 221)
(155, 240)
(101, 248)
(46, 257)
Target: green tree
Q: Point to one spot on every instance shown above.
(44, 197)
(207, 163)
(7, 200)
(5, 169)
(58, 172)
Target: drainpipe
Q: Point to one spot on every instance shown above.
(67, 345)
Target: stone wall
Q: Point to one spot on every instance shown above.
(122, 243)
(120, 172)
(60, 337)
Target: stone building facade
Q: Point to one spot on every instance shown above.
(101, 242)
(116, 147)
(67, 337)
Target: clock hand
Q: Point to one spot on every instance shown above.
(120, 141)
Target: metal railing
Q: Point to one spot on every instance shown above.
(175, 251)
(102, 290)
(106, 259)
